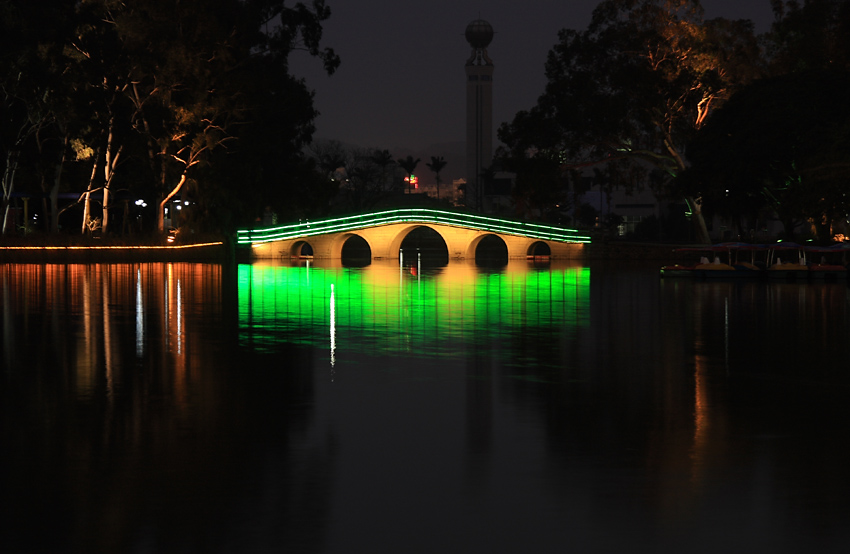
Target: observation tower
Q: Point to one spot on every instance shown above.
(479, 109)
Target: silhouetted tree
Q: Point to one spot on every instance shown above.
(383, 159)
(780, 143)
(809, 36)
(162, 87)
(408, 164)
(635, 86)
(436, 165)
(36, 100)
(332, 157)
(365, 180)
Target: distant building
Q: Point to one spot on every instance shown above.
(450, 192)
(498, 198)
(458, 190)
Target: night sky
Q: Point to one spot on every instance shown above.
(401, 84)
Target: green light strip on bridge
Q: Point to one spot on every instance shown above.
(409, 215)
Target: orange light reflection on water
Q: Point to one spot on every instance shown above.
(128, 248)
(99, 300)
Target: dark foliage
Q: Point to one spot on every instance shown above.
(105, 102)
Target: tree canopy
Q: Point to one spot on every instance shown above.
(780, 143)
(408, 164)
(634, 87)
(814, 35)
(652, 94)
(437, 164)
(158, 100)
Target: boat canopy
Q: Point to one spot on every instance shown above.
(784, 245)
(723, 247)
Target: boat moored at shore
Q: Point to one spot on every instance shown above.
(780, 261)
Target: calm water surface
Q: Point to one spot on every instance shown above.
(276, 408)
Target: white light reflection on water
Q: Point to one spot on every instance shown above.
(140, 315)
(166, 300)
(333, 328)
(108, 343)
(179, 319)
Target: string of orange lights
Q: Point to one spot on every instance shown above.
(146, 247)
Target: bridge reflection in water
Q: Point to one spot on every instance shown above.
(387, 309)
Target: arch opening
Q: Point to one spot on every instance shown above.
(356, 252)
(425, 245)
(491, 251)
(302, 249)
(539, 249)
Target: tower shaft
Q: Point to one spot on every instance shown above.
(479, 127)
(479, 110)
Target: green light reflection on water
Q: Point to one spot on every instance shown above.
(380, 309)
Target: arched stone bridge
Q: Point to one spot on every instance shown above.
(384, 232)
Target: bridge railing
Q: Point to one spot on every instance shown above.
(409, 215)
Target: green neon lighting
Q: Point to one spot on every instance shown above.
(396, 313)
(409, 215)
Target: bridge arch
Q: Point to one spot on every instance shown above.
(334, 245)
(355, 250)
(300, 249)
(431, 241)
(539, 248)
(490, 249)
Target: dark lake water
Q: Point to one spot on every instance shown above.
(268, 408)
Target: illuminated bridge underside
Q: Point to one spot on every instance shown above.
(385, 231)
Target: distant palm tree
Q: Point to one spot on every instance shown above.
(409, 165)
(383, 159)
(437, 164)
(331, 156)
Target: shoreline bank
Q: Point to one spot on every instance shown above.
(217, 251)
(21, 252)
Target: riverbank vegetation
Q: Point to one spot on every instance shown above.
(127, 119)
(654, 95)
(131, 117)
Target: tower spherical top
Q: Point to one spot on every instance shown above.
(479, 33)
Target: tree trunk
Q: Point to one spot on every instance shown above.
(8, 185)
(87, 201)
(5, 214)
(823, 231)
(112, 157)
(700, 230)
(174, 191)
(788, 225)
